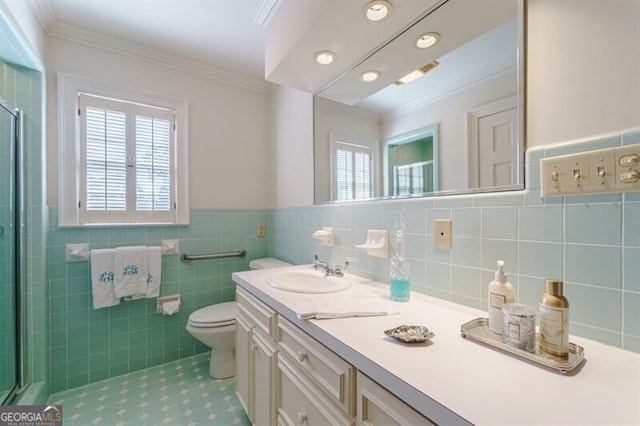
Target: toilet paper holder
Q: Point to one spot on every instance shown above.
(168, 305)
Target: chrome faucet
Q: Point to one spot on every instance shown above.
(327, 269)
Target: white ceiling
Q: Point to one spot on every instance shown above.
(218, 34)
(225, 39)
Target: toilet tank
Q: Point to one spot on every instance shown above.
(267, 263)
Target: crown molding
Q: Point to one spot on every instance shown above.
(342, 109)
(44, 13)
(458, 86)
(154, 56)
(265, 12)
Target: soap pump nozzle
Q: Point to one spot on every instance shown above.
(500, 276)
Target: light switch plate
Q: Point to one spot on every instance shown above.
(442, 233)
(603, 171)
(577, 178)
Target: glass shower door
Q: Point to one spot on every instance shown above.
(8, 254)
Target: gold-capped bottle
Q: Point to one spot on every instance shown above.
(554, 319)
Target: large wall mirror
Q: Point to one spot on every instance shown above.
(438, 110)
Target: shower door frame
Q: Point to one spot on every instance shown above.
(20, 255)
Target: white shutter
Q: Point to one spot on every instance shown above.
(344, 160)
(352, 171)
(362, 175)
(106, 159)
(103, 165)
(154, 166)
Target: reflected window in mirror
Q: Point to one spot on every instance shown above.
(352, 165)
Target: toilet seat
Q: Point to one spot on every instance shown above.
(218, 315)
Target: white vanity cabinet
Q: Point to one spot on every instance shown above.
(256, 357)
(315, 386)
(377, 406)
(302, 403)
(324, 369)
(243, 345)
(286, 377)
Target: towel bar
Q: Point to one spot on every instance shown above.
(82, 252)
(186, 258)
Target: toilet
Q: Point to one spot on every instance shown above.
(215, 326)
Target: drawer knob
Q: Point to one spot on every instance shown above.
(302, 417)
(302, 356)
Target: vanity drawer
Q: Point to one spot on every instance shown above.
(328, 371)
(301, 403)
(257, 312)
(377, 406)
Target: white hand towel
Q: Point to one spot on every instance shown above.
(130, 268)
(342, 308)
(154, 275)
(102, 278)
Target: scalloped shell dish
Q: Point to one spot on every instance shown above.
(410, 333)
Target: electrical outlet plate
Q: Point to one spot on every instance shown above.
(442, 233)
(262, 230)
(627, 162)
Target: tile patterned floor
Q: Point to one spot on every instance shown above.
(176, 393)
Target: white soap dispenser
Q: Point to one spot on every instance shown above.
(500, 292)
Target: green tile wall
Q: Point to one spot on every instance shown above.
(88, 345)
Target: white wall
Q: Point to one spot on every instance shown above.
(292, 160)
(583, 73)
(228, 125)
(451, 116)
(584, 68)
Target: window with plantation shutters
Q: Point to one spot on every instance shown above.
(352, 171)
(123, 156)
(126, 162)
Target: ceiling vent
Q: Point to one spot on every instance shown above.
(414, 75)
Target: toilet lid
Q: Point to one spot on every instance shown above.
(267, 263)
(218, 315)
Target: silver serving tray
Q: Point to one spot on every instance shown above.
(410, 333)
(478, 329)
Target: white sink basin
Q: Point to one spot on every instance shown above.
(307, 281)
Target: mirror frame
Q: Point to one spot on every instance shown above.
(520, 102)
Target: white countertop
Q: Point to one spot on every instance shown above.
(455, 380)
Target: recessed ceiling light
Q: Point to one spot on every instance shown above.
(369, 76)
(427, 40)
(325, 57)
(377, 10)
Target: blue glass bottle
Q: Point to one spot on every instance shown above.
(400, 285)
